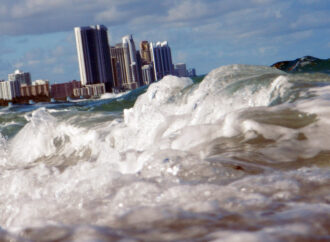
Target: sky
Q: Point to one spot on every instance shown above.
(37, 36)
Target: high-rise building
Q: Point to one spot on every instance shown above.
(117, 80)
(10, 90)
(119, 68)
(145, 52)
(139, 67)
(131, 64)
(148, 74)
(24, 78)
(94, 55)
(162, 59)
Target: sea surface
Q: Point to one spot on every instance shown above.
(243, 155)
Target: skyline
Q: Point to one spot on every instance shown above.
(38, 37)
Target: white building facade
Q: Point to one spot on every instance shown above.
(23, 77)
(148, 74)
(131, 64)
(10, 90)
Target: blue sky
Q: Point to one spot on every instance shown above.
(37, 35)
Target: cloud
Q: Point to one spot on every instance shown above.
(317, 19)
(189, 9)
(112, 15)
(233, 28)
(57, 62)
(220, 19)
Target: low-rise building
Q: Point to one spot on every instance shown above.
(180, 70)
(94, 90)
(61, 91)
(39, 88)
(192, 72)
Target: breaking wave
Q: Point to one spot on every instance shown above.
(243, 154)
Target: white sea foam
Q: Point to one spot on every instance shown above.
(113, 95)
(157, 163)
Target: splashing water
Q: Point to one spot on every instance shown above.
(243, 154)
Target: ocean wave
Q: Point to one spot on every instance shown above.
(178, 160)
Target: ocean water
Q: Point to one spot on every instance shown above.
(242, 155)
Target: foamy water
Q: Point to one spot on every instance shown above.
(242, 155)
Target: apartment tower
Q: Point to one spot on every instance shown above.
(94, 55)
(162, 59)
(145, 52)
(118, 66)
(24, 78)
(131, 64)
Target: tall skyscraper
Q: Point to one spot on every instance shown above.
(120, 75)
(116, 70)
(131, 64)
(139, 67)
(94, 55)
(145, 52)
(162, 59)
(24, 78)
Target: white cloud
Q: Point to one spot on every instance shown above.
(229, 27)
(111, 15)
(189, 9)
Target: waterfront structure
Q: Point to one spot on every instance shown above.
(118, 66)
(161, 57)
(62, 91)
(148, 74)
(94, 90)
(39, 88)
(180, 70)
(131, 65)
(145, 52)
(40, 82)
(116, 71)
(139, 68)
(94, 55)
(23, 77)
(127, 73)
(10, 90)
